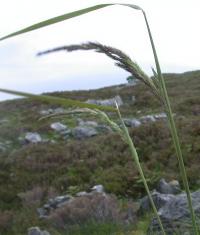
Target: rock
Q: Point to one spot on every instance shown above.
(88, 123)
(132, 122)
(159, 199)
(153, 117)
(59, 127)
(175, 215)
(160, 115)
(52, 204)
(82, 132)
(80, 194)
(33, 137)
(107, 102)
(148, 118)
(59, 111)
(52, 111)
(173, 187)
(46, 112)
(98, 189)
(37, 231)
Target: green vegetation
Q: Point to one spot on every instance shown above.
(78, 165)
(156, 84)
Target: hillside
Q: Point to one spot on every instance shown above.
(64, 163)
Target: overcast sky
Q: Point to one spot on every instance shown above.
(174, 24)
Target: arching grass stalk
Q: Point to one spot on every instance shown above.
(137, 162)
(173, 130)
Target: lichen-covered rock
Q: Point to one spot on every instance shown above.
(175, 215)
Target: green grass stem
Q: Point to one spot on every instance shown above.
(137, 162)
(173, 130)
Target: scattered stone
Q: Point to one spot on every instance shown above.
(175, 215)
(95, 205)
(80, 194)
(59, 110)
(59, 127)
(37, 231)
(107, 102)
(33, 137)
(148, 118)
(159, 199)
(46, 112)
(52, 204)
(173, 187)
(98, 189)
(160, 115)
(88, 123)
(82, 132)
(52, 111)
(132, 122)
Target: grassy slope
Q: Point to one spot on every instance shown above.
(103, 159)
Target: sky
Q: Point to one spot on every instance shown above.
(174, 24)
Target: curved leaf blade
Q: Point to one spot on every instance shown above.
(64, 17)
(59, 101)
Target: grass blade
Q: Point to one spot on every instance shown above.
(57, 100)
(64, 17)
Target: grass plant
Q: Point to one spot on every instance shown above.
(157, 86)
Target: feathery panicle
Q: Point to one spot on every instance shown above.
(121, 60)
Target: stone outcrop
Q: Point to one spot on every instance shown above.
(37, 231)
(175, 215)
(134, 122)
(62, 200)
(107, 102)
(172, 209)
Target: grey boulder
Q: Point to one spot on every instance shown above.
(37, 231)
(107, 102)
(175, 215)
(33, 137)
(82, 132)
(132, 122)
(159, 200)
(59, 127)
(173, 187)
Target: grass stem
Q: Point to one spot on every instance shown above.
(137, 162)
(173, 130)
